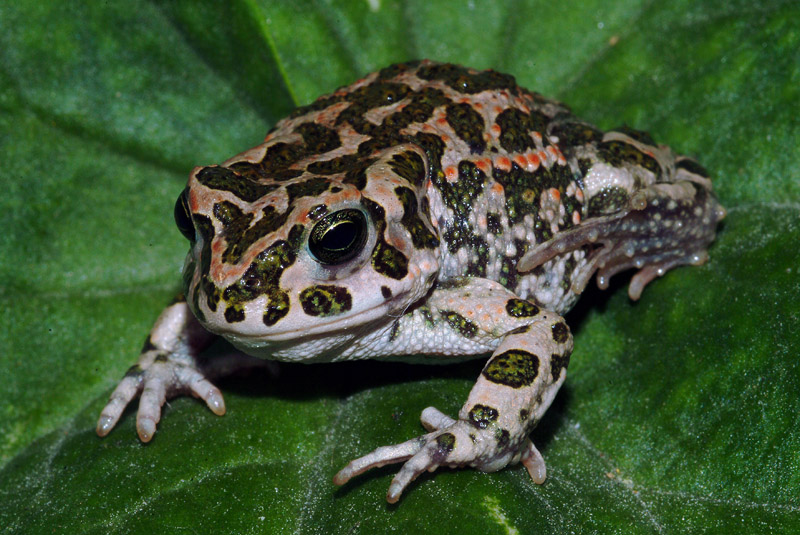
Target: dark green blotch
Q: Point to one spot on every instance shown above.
(421, 235)
(524, 191)
(618, 153)
(257, 172)
(503, 438)
(234, 313)
(161, 358)
(282, 155)
(608, 200)
(307, 188)
(514, 368)
(461, 194)
(482, 415)
(558, 363)
(234, 224)
(460, 324)
(523, 415)
(263, 277)
(410, 166)
(516, 127)
(519, 330)
(240, 239)
(388, 261)
(377, 94)
(295, 236)
(519, 308)
(365, 98)
(419, 109)
(357, 174)
(386, 292)
(319, 139)
(334, 165)
(434, 150)
(453, 284)
(468, 125)
(462, 80)
(224, 179)
(277, 307)
(398, 68)
(560, 332)
(229, 215)
(574, 134)
(445, 443)
(325, 300)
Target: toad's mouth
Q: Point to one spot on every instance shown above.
(301, 328)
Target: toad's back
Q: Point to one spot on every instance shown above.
(506, 170)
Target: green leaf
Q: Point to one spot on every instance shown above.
(680, 413)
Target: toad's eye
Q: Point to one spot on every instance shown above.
(182, 216)
(339, 237)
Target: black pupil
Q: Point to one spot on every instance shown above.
(339, 237)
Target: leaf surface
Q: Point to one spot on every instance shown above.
(680, 413)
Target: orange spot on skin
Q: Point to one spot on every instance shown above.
(483, 165)
(496, 129)
(442, 121)
(554, 151)
(533, 159)
(537, 136)
(576, 217)
(503, 163)
(520, 160)
(451, 173)
(579, 195)
(498, 110)
(554, 194)
(497, 188)
(543, 155)
(477, 105)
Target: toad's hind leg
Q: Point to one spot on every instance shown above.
(663, 226)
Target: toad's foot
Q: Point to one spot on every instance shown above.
(169, 366)
(451, 443)
(163, 378)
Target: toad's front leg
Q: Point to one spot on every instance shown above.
(170, 365)
(512, 393)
